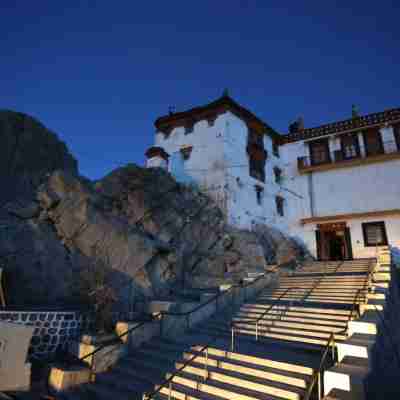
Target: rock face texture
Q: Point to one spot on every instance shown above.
(153, 236)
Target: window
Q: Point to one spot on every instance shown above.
(257, 155)
(350, 146)
(278, 175)
(374, 234)
(319, 152)
(279, 205)
(255, 138)
(396, 129)
(373, 142)
(259, 194)
(275, 148)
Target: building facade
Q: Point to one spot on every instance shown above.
(335, 188)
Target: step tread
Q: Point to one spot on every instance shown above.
(234, 389)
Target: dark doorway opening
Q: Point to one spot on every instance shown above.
(333, 242)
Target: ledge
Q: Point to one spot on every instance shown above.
(350, 163)
(382, 213)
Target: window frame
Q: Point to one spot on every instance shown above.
(278, 175)
(279, 201)
(325, 143)
(381, 224)
(275, 148)
(259, 194)
(355, 143)
(368, 151)
(396, 134)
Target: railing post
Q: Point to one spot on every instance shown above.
(161, 324)
(232, 339)
(319, 386)
(206, 366)
(170, 389)
(256, 330)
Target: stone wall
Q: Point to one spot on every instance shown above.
(385, 361)
(53, 329)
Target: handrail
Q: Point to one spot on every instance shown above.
(118, 337)
(168, 381)
(279, 299)
(161, 314)
(218, 295)
(354, 304)
(316, 377)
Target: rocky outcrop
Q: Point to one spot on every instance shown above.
(153, 236)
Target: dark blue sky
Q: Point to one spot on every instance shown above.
(99, 72)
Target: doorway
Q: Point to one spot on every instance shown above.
(333, 242)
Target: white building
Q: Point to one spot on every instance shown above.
(336, 187)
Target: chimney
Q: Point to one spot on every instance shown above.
(354, 111)
(296, 126)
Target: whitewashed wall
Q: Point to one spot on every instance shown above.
(205, 166)
(243, 209)
(357, 189)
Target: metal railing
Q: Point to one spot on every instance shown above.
(291, 302)
(274, 303)
(162, 314)
(316, 377)
(340, 155)
(169, 381)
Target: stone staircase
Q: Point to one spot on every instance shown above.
(272, 353)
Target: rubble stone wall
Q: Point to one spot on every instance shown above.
(53, 329)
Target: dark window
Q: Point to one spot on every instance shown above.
(259, 194)
(396, 129)
(255, 138)
(350, 146)
(257, 155)
(319, 151)
(278, 174)
(374, 234)
(279, 205)
(373, 142)
(275, 148)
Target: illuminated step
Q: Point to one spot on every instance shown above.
(357, 345)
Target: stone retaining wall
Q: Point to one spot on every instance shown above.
(53, 329)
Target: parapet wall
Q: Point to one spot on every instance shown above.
(53, 329)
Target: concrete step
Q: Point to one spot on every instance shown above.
(327, 313)
(272, 374)
(367, 324)
(259, 362)
(237, 378)
(283, 316)
(338, 394)
(376, 296)
(381, 276)
(265, 328)
(357, 345)
(101, 391)
(383, 285)
(181, 392)
(372, 305)
(264, 323)
(299, 340)
(123, 382)
(240, 390)
(345, 377)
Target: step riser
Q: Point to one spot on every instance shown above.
(223, 365)
(257, 361)
(230, 380)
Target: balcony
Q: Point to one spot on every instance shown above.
(343, 159)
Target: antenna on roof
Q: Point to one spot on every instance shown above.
(171, 110)
(354, 111)
(225, 93)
